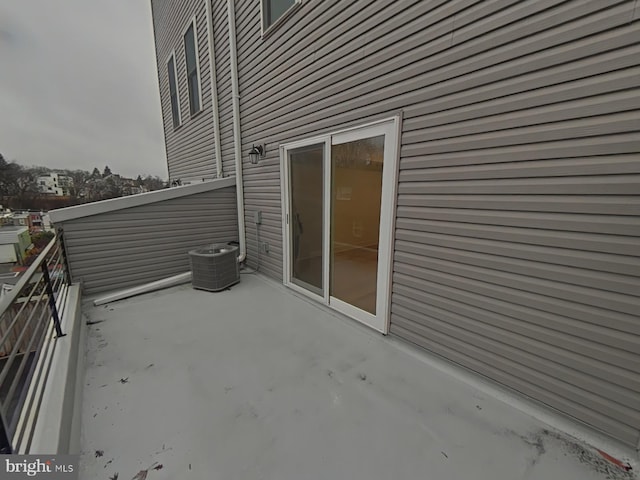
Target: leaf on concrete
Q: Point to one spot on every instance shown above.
(141, 475)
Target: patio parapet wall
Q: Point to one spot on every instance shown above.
(129, 241)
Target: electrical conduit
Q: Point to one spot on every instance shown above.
(214, 90)
(237, 141)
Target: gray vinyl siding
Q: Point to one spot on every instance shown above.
(136, 245)
(191, 146)
(516, 247)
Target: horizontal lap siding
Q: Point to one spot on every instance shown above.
(517, 252)
(265, 69)
(190, 147)
(141, 244)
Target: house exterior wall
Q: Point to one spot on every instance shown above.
(133, 246)
(35, 222)
(24, 240)
(8, 253)
(516, 242)
(54, 184)
(18, 239)
(190, 147)
(21, 220)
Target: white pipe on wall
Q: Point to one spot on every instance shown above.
(214, 89)
(237, 141)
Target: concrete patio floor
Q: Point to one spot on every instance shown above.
(258, 383)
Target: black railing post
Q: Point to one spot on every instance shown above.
(52, 300)
(5, 442)
(63, 249)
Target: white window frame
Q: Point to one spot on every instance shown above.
(391, 128)
(172, 55)
(193, 22)
(279, 21)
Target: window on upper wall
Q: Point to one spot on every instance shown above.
(272, 10)
(193, 70)
(173, 90)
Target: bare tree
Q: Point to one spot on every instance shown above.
(79, 180)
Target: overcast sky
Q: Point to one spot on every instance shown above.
(78, 86)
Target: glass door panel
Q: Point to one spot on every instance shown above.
(356, 193)
(339, 199)
(306, 231)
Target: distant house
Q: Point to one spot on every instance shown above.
(30, 219)
(65, 183)
(131, 189)
(46, 222)
(54, 184)
(35, 222)
(14, 242)
(20, 219)
(6, 217)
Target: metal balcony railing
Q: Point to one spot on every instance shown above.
(29, 326)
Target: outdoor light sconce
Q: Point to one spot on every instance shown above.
(256, 153)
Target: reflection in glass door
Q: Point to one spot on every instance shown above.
(356, 190)
(306, 167)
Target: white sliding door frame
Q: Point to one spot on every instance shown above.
(285, 173)
(390, 129)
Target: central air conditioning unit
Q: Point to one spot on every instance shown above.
(214, 267)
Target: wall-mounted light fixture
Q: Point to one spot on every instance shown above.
(256, 153)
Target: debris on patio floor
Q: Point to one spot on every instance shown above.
(277, 388)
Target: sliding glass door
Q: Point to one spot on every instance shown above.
(338, 207)
(306, 234)
(356, 191)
